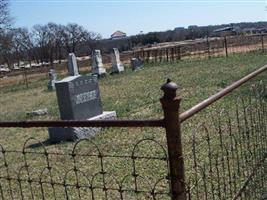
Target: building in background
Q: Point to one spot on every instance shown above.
(118, 35)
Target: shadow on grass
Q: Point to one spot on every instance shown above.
(45, 143)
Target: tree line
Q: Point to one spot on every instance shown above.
(42, 43)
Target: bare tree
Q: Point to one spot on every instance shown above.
(55, 34)
(5, 19)
(42, 42)
(5, 37)
(6, 48)
(23, 42)
(74, 35)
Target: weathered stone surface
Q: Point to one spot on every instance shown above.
(136, 64)
(52, 80)
(39, 112)
(72, 65)
(78, 97)
(117, 66)
(71, 134)
(97, 64)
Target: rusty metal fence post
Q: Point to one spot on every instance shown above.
(208, 47)
(262, 43)
(225, 47)
(179, 52)
(170, 104)
(148, 56)
(25, 76)
(173, 54)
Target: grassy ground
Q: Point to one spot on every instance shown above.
(133, 95)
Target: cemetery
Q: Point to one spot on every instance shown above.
(88, 95)
(177, 115)
(130, 94)
(79, 98)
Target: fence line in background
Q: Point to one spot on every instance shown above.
(199, 48)
(204, 48)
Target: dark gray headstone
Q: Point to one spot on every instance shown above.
(78, 97)
(136, 64)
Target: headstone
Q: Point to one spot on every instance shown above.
(117, 66)
(97, 64)
(78, 99)
(136, 64)
(52, 80)
(72, 65)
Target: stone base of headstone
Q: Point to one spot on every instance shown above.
(117, 69)
(57, 134)
(101, 75)
(100, 72)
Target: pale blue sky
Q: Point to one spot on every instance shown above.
(133, 16)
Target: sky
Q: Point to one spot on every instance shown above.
(133, 16)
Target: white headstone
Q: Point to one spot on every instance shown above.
(97, 64)
(72, 65)
(117, 66)
(52, 80)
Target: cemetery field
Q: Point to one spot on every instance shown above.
(133, 95)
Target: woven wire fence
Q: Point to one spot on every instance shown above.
(226, 153)
(133, 168)
(204, 48)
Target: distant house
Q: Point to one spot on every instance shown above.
(118, 35)
(179, 29)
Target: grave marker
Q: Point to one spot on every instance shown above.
(117, 66)
(52, 80)
(136, 64)
(97, 64)
(72, 65)
(78, 99)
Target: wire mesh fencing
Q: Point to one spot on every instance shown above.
(226, 152)
(203, 48)
(133, 168)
